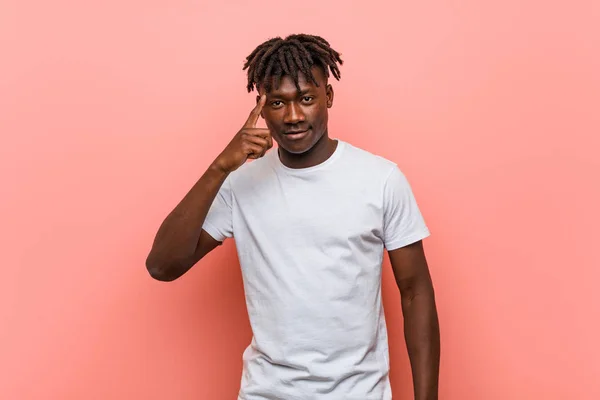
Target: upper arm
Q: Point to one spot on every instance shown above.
(403, 222)
(218, 224)
(410, 268)
(404, 230)
(206, 244)
(171, 270)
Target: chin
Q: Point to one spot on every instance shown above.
(298, 147)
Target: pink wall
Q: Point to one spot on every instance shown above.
(110, 112)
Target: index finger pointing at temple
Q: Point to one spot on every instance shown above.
(253, 118)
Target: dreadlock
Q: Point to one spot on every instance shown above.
(296, 53)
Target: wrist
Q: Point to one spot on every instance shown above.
(427, 394)
(217, 167)
(220, 165)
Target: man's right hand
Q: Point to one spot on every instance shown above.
(250, 142)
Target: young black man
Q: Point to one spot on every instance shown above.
(311, 222)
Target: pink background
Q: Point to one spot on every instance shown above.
(110, 111)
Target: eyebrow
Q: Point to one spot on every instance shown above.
(298, 93)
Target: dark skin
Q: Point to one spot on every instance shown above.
(421, 326)
(288, 110)
(181, 242)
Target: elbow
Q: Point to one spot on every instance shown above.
(418, 293)
(161, 270)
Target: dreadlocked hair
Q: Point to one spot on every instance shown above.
(296, 53)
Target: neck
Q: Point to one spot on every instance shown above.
(319, 153)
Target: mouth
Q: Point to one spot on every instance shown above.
(296, 135)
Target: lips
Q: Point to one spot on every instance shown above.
(296, 135)
(295, 132)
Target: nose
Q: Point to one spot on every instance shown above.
(293, 114)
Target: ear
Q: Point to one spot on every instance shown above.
(329, 92)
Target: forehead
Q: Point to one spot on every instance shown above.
(287, 86)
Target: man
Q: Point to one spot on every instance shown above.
(311, 221)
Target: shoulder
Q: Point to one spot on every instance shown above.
(365, 163)
(252, 172)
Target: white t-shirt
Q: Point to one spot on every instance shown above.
(310, 243)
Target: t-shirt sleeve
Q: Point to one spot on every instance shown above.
(218, 222)
(403, 222)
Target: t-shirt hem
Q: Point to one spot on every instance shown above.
(213, 231)
(415, 237)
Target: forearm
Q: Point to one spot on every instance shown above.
(421, 331)
(177, 237)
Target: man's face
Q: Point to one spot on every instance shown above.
(297, 120)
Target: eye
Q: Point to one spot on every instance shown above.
(307, 99)
(276, 103)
